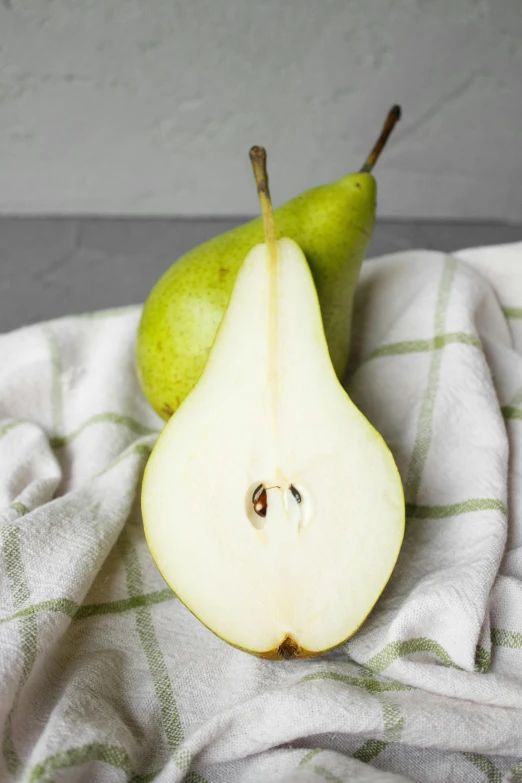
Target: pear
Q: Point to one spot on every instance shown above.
(332, 224)
(271, 506)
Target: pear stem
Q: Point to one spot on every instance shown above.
(258, 160)
(392, 119)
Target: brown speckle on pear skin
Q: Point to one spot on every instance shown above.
(167, 410)
(223, 273)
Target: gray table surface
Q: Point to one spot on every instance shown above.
(56, 266)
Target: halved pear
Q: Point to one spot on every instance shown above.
(271, 506)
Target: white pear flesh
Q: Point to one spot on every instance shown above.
(268, 409)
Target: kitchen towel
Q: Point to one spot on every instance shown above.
(106, 676)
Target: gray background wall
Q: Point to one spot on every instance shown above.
(150, 106)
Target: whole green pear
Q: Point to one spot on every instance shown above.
(332, 224)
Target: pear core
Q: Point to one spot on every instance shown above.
(269, 428)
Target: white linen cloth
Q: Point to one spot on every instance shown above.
(105, 676)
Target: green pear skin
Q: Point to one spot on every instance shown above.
(331, 223)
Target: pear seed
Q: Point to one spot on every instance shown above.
(259, 500)
(295, 493)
